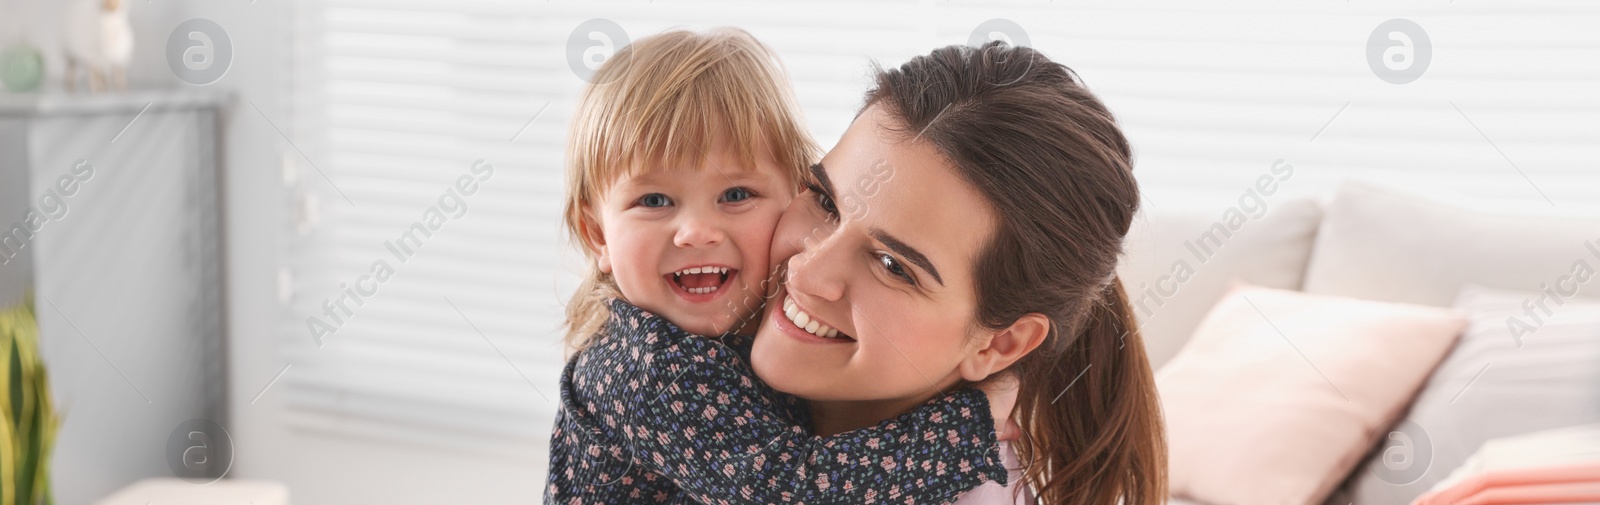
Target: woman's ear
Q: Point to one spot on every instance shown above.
(589, 228)
(1006, 347)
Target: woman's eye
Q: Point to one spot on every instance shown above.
(736, 195)
(654, 200)
(824, 201)
(894, 267)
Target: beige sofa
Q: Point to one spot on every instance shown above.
(1364, 240)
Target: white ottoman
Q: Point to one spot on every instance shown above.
(171, 491)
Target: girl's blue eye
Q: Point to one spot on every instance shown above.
(654, 200)
(735, 195)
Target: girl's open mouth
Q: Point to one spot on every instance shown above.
(702, 283)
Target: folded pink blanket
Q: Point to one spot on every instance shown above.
(1568, 483)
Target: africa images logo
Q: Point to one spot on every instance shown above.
(1399, 51)
(199, 51)
(593, 43)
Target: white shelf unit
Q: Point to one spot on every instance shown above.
(126, 268)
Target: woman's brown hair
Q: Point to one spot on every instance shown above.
(1057, 172)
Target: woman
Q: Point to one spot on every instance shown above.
(982, 197)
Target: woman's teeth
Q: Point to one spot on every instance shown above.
(805, 322)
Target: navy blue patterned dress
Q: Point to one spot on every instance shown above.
(653, 414)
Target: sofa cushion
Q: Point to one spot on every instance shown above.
(1384, 244)
(1268, 250)
(1491, 385)
(1280, 393)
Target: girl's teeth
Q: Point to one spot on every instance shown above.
(702, 270)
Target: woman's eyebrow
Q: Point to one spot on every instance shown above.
(909, 252)
(822, 177)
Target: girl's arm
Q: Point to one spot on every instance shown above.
(690, 408)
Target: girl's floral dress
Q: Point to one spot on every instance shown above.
(652, 414)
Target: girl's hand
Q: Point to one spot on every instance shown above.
(1002, 392)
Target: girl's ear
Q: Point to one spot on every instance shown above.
(1006, 347)
(589, 227)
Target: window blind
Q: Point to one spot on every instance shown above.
(459, 346)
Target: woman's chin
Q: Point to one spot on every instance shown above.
(777, 363)
(770, 362)
(793, 370)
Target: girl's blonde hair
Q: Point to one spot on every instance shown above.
(657, 105)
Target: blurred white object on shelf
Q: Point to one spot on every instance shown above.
(98, 37)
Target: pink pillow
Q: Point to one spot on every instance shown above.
(1279, 393)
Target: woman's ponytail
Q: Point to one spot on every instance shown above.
(1091, 421)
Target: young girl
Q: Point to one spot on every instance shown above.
(679, 168)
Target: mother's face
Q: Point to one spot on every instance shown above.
(889, 268)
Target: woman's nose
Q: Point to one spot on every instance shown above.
(819, 270)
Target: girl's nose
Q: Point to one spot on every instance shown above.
(696, 231)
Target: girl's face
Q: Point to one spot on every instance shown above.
(691, 244)
(878, 301)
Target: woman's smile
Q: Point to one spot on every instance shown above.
(796, 322)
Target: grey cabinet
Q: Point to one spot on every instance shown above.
(110, 209)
